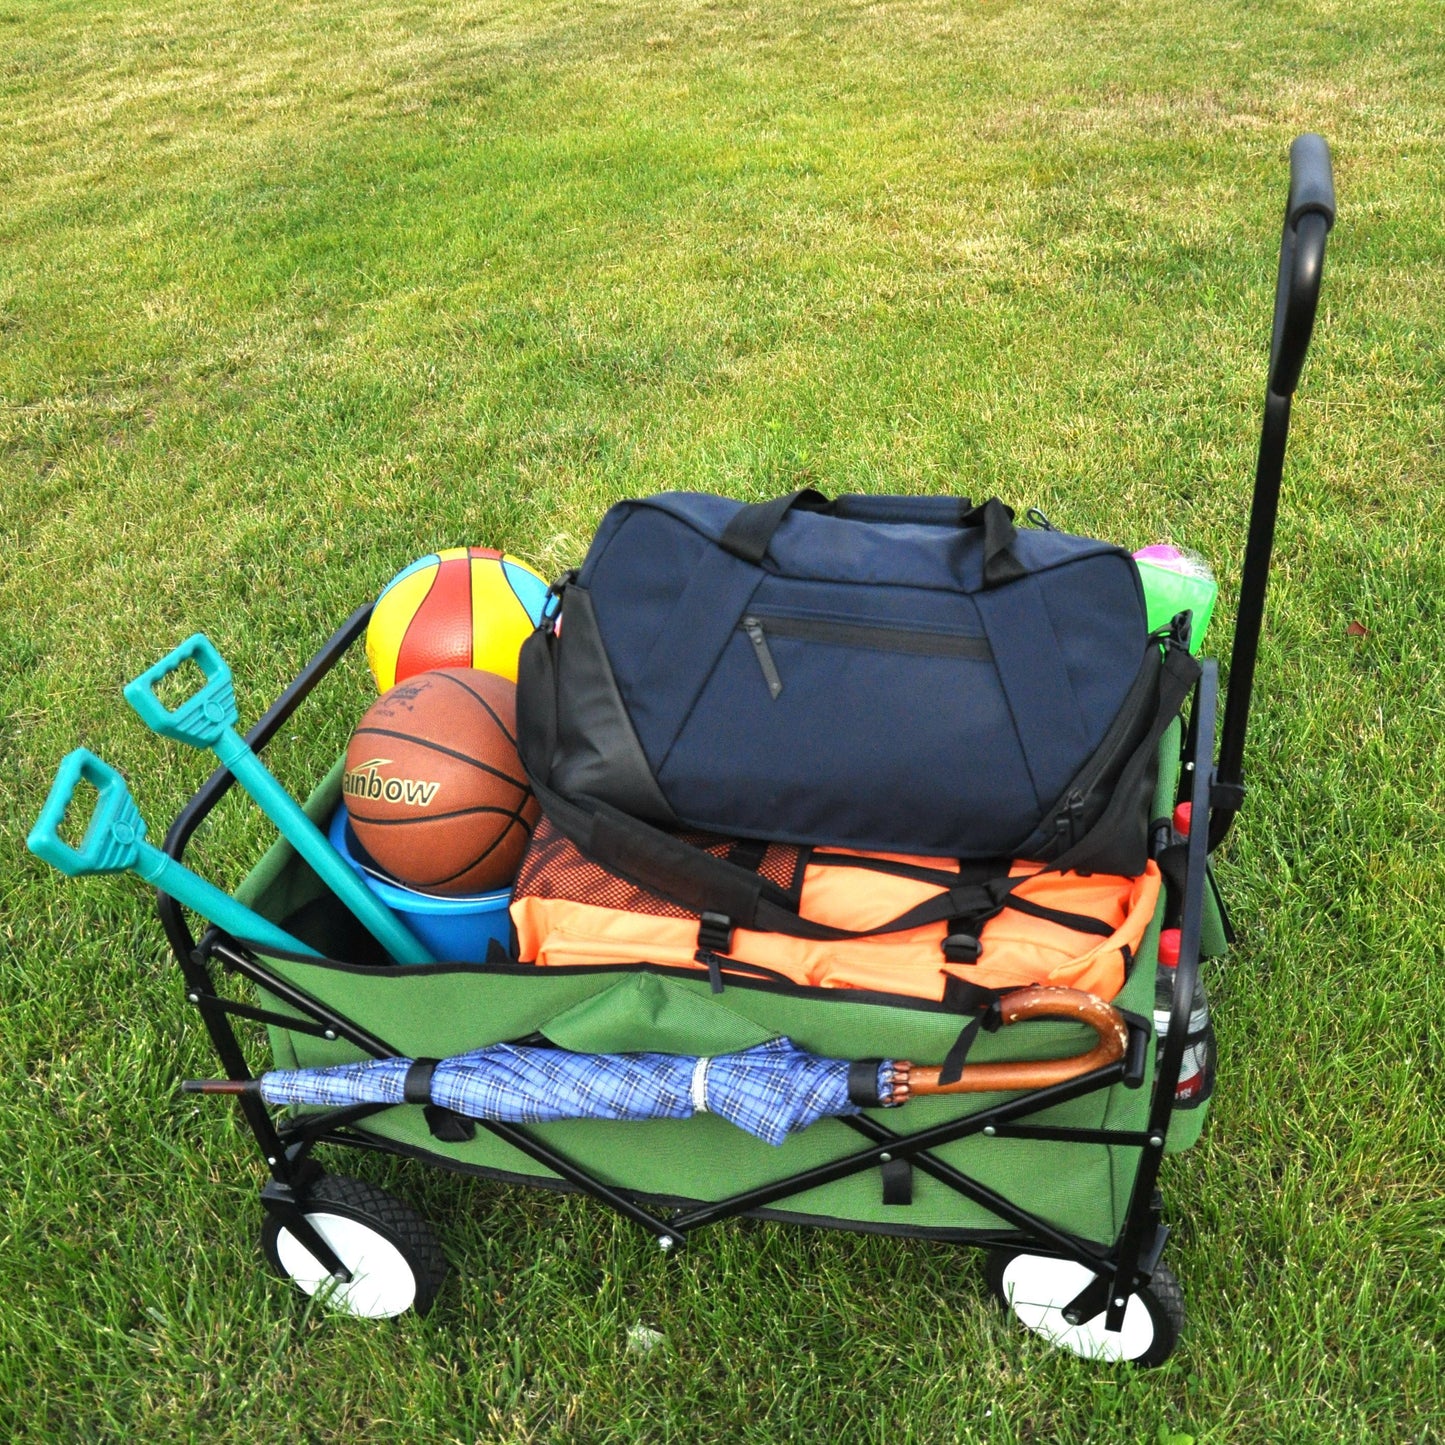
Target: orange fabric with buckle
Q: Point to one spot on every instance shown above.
(557, 925)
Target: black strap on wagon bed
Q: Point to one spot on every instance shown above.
(1117, 1270)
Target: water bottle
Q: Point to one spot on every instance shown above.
(1196, 1069)
(1177, 580)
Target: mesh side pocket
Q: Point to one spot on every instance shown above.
(554, 867)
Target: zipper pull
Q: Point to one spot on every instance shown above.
(1069, 818)
(758, 638)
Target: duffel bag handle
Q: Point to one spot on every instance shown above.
(925, 511)
(750, 532)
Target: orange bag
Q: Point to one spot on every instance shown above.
(1068, 929)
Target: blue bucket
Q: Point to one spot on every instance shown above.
(456, 930)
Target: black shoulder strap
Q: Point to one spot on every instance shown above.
(656, 860)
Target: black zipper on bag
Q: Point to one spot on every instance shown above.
(856, 634)
(759, 640)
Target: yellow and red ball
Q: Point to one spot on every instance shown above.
(462, 607)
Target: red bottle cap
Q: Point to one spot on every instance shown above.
(1183, 816)
(1169, 947)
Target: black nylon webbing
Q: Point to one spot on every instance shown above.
(951, 1069)
(863, 1083)
(748, 853)
(416, 1087)
(750, 529)
(897, 1181)
(1078, 922)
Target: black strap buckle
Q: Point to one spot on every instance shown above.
(715, 932)
(961, 948)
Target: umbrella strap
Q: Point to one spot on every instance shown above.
(416, 1087)
(863, 1084)
(952, 1068)
(446, 1125)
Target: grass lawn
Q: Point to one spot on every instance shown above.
(291, 293)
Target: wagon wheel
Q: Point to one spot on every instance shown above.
(1036, 1288)
(395, 1262)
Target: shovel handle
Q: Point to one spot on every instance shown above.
(207, 720)
(207, 715)
(114, 842)
(1071, 1005)
(113, 837)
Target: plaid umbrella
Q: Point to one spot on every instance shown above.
(769, 1090)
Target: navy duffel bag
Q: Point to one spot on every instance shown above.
(898, 674)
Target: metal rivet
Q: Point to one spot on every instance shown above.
(989, 1131)
(1071, 1317)
(1118, 1304)
(271, 1160)
(1156, 1141)
(329, 1034)
(665, 1242)
(193, 998)
(885, 1158)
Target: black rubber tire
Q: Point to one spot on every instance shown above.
(384, 1215)
(1162, 1298)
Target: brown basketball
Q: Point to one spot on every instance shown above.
(435, 789)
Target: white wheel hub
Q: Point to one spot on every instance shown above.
(1038, 1289)
(382, 1282)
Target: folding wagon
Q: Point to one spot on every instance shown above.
(1058, 1183)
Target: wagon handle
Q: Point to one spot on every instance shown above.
(1309, 214)
(1070, 1005)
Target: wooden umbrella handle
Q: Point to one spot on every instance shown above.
(1071, 1005)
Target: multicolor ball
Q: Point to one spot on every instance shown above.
(464, 607)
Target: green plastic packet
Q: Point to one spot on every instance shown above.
(1176, 580)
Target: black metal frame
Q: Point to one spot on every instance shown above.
(287, 1150)
(1214, 794)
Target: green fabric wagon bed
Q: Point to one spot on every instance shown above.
(437, 1010)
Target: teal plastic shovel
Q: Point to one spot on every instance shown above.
(207, 720)
(115, 842)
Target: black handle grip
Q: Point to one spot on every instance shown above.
(1308, 217)
(1311, 186)
(923, 511)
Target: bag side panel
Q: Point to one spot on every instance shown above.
(666, 601)
(598, 752)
